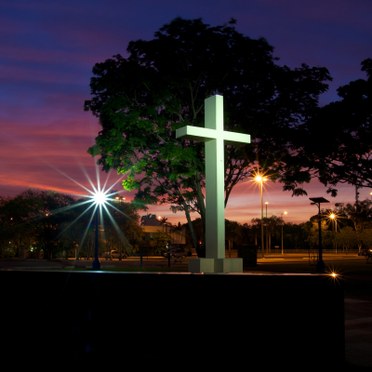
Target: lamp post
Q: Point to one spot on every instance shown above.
(259, 179)
(96, 265)
(282, 235)
(267, 248)
(333, 217)
(320, 267)
(100, 199)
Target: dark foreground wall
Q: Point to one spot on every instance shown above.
(172, 321)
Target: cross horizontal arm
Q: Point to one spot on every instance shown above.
(236, 137)
(196, 133)
(205, 134)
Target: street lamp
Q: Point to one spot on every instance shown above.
(333, 217)
(120, 199)
(267, 248)
(96, 265)
(320, 263)
(100, 199)
(259, 179)
(282, 235)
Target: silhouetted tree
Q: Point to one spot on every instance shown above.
(359, 215)
(141, 100)
(49, 224)
(337, 141)
(32, 222)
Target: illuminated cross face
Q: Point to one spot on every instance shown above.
(214, 138)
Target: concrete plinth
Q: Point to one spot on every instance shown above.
(216, 265)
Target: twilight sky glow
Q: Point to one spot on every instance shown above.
(48, 49)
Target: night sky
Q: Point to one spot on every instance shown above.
(48, 50)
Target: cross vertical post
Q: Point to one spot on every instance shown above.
(214, 138)
(215, 180)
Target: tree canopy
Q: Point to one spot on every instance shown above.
(161, 85)
(338, 138)
(48, 223)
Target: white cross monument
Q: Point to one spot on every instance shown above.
(214, 137)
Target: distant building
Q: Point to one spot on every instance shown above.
(153, 226)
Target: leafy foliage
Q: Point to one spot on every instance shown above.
(338, 138)
(48, 224)
(141, 100)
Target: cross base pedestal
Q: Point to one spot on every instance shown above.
(216, 265)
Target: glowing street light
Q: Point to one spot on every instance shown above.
(282, 235)
(120, 199)
(99, 199)
(333, 217)
(260, 179)
(98, 196)
(267, 248)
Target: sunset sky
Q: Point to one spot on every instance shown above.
(48, 50)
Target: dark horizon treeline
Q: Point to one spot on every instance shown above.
(46, 224)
